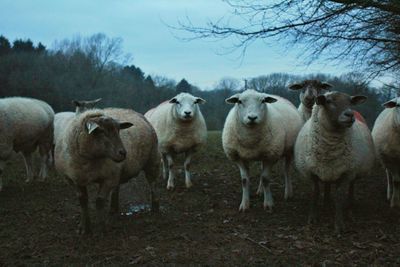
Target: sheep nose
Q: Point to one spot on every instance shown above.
(188, 112)
(349, 113)
(122, 152)
(252, 118)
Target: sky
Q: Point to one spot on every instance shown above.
(153, 46)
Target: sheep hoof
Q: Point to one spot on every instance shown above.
(339, 229)
(84, 230)
(312, 219)
(259, 192)
(288, 197)
(170, 187)
(189, 184)
(155, 206)
(395, 202)
(268, 207)
(244, 206)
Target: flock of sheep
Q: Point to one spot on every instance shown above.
(326, 139)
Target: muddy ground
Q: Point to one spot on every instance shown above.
(197, 226)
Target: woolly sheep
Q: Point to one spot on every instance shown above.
(93, 150)
(310, 89)
(334, 147)
(386, 136)
(180, 128)
(260, 127)
(27, 123)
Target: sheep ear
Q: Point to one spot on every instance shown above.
(269, 100)
(358, 99)
(296, 86)
(199, 100)
(320, 100)
(326, 86)
(76, 103)
(173, 100)
(233, 99)
(390, 104)
(125, 125)
(91, 126)
(97, 100)
(91, 103)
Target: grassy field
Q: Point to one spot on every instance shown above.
(197, 226)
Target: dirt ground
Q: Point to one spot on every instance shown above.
(197, 226)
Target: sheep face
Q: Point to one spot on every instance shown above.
(338, 109)
(100, 139)
(186, 106)
(250, 106)
(310, 89)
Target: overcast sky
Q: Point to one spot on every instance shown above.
(141, 25)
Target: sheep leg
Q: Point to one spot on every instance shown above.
(389, 178)
(84, 225)
(288, 179)
(188, 158)
(28, 165)
(154, 199)
(152, 173)
(45, 161)
(395, 201)
(170, 183)
(342, 189)
(114, 206)
(2, 164)
(165, 166)
(260, 189)
(244, 174)
(327, 194)
(313, 215)
(265, 174)
(350, 198)
(102, 196)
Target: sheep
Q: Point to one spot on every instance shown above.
(386, 136)
(92, 150)
(310, 89)
(334, 147)
(260, 127)
(180, 128)
(27, 123)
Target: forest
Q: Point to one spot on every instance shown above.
(95, 66)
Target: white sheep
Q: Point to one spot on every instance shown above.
(334, 147)
(386, 136)
(93, 150)
(27, 123)
(260, 127)
(310, 89)
(180, 128)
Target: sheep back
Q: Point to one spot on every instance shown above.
(25, 123)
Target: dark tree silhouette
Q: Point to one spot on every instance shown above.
(5, 46)
(362, 33)
(183, 87)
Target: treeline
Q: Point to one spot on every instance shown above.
(94, 67)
